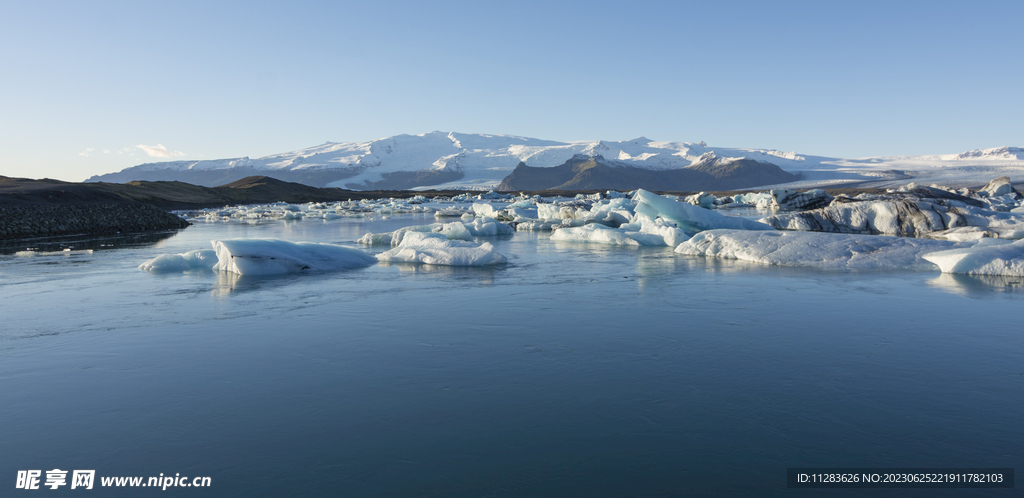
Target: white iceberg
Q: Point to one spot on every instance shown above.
(1005, 259)
(647, 233)
(192, 260)
(274, 257)
(688, 217)
(436, 249)
(595, 233)
(829, 251)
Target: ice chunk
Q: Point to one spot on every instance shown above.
(998, 187)
(273, 256)
(1006, 259)
(594, 233)
(785, 199)
(482, 209)
(484, 227)
(818, 250)
(669, 235)
(974, 233)
(702, 199)
(436, 249)
(456, 231)
(395, 238)
(526, 226)
(906, 218)
(687, 217)
(192, 260)
(647, 233)
(166, 263)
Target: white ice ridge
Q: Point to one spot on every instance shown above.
(830, 251)
(646, 233)
(1006, 259)
(436, 249)
(192, 260)
(273, 256)
(688, 217)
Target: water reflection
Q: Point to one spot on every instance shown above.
(977, 285)
(478, 274)
(83, 242)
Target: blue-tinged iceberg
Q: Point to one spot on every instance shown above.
(1006, 259)
(688, 217)
(274, 257)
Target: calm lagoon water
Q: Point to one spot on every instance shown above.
(575, 370)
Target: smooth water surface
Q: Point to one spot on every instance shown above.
(574, 370)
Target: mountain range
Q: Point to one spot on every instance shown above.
(441, 160)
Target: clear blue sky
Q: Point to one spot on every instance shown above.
(218, 79)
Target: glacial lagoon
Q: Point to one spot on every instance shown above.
(571, 370)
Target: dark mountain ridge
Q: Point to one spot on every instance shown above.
(596, 172)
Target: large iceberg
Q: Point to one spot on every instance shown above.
(273, 256)
(1006, 259)
(906, 218)
(192, 260)
(818, 250)
(689, 217)
(436, 249)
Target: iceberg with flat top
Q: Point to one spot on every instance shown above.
(436, 249)
(192, 260)
(276, 257)
(830, 251)
(1006, 259)
(688, 217)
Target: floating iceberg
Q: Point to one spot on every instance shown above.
(818, 250)
(273, 257)
(688, 217)
(596, 233)
(906, 218)
(647, 233)
(436, 249)
(1005, 259)
(192, 260)
(395, 238)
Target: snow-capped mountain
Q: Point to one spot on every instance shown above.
(462, 160)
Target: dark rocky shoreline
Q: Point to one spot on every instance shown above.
(49, 220)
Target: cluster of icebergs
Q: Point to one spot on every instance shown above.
(911, 228)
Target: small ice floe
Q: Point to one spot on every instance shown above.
(436, 249)
(456, 230)
(990, 258)
(192, 260)
(829, 251)
(688, 217)
(274, 257)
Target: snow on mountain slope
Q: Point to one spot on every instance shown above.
(463, 160)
